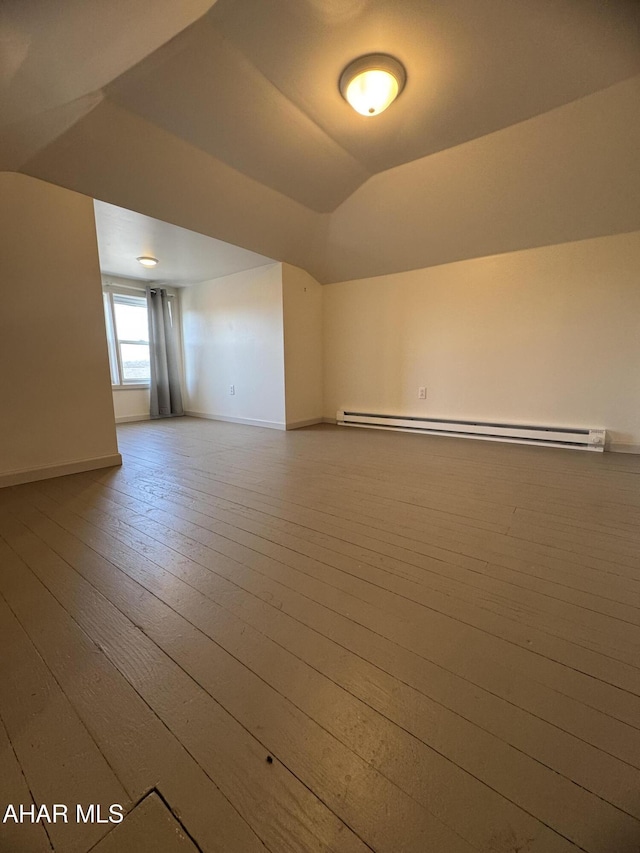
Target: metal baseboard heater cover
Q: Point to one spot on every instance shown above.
(579, 439)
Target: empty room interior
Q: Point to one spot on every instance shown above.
(320, 426)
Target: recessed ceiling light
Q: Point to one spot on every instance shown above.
(147, 261)
(371, 83)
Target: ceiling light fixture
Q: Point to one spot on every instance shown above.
(371, 83)
(147, 261)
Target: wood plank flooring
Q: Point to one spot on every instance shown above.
(324, 640)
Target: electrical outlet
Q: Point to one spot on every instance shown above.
(422, 393)
(232, 389)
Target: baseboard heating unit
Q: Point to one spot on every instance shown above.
(579, 439)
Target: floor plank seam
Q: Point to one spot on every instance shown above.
(113, 663)
(191, 678)
(26, 781)
(154, 790)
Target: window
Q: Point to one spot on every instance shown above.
(127, 324)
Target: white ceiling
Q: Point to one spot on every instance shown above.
(519, 125)
(54, 53)
(55, 58)
(255, 82)
(184, 256)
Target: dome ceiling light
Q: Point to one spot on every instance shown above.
(147, 261)
(371, 83)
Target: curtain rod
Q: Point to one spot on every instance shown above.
(137, 289)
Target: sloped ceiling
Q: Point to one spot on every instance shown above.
(184, 257)
(56, 57)
(255, 82)
(227, 119)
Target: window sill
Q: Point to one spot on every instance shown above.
(130, 387)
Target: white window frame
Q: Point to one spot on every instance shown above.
(113, 342)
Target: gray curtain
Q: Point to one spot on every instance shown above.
(166, 395)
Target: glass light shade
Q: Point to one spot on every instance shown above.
(147, 261)
(371, 92)
(371, 83)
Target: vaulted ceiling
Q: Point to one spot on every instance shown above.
(184, 257)
(226, 118)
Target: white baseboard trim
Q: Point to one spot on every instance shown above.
(30, 475)
(129, 419)
(616, 447)
(301, 424)
(246, 421)
(329, 421)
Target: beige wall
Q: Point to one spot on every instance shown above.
(302, 313)
(131, 404)
(55, 387)
(233, 335)
(546, 336)
(261, 331)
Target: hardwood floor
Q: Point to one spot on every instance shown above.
(324, 640)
